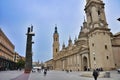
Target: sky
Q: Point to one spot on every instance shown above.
(17, 15)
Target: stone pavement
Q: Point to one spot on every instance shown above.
(62, 75)
(51, 75)
(8, 75)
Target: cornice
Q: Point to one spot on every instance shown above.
(89, 3)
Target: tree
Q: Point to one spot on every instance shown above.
(21, 63)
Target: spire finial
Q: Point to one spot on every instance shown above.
(75, 39)
(63, 46)
(69, 41)
(55, 28)
(69, 37)
(31, 28)
(55, 25)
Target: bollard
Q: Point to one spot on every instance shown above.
(107, 75)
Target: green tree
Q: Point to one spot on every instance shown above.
(21, 63)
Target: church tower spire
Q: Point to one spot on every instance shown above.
(95, 14)
(55, 42)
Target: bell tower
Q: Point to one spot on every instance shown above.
(95, 14)
(99, 36)
(55, 42)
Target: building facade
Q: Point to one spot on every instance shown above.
(18, 57)
(6, 53)
(95, 47)
(6, 47)
(49, 64)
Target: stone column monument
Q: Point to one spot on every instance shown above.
(28, 58)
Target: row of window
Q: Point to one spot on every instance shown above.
(105, 46)
(99, 13)
(107, 57)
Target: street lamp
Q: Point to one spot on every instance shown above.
(118, 19)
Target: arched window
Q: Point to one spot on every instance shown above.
(106, 47)
(56, 39)
(56, 50)
(90, 16)
(107, 57)
(98, 12)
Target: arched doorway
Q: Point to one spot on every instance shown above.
(85, 63)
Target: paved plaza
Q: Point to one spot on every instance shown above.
(51, 75)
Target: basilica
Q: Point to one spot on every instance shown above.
(95, 47)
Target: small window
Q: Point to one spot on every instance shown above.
(107, 57)
(56, 39)
(91, 17)
(56, 50)
(106, 47)
(94, 59)
(92, 44)
(98, 13)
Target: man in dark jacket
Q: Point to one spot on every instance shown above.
(95, 74)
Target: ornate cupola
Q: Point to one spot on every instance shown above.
(84, 29)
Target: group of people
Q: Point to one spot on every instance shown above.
(99, 69)
(39, 70)
(88, 69)
(95, 71)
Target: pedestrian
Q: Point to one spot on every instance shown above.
(45, 72)
(95, 74)
(67, 71)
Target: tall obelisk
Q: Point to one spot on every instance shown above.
(28, 58)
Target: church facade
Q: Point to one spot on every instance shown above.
(95, 47)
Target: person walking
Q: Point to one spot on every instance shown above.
(45, 72)
(95, 74)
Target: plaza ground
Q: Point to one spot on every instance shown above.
(51, 75)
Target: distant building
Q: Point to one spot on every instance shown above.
(36, 64)
(95, 47)
(6, 53)
(17, 57)
(49, 64)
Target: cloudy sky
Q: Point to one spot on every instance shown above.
(17, 15)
